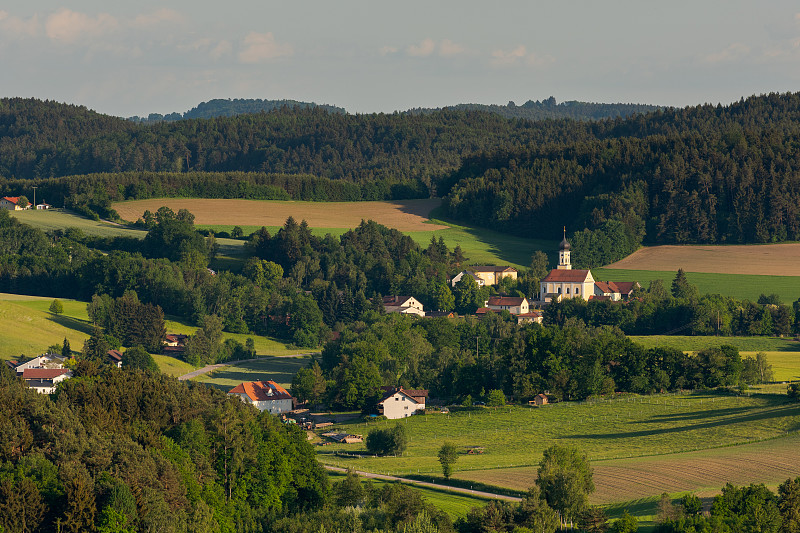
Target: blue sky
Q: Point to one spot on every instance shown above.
(140, 57)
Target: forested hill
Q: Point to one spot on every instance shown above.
(705, 174)
(221, 107)
(45, 139)
(549, 109)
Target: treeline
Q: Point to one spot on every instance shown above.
(93, 194)
(550, 109)
(222, 107)
(705, 174)
(751, 508)
(459, 358)
(681, 309)
(129, 451)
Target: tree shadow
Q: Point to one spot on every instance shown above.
(777, 412)
(84, 326)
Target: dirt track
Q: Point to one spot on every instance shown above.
(406, 215)
(762, 259)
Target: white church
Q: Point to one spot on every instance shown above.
(566, 282)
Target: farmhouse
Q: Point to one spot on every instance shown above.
(174, 344)
(614, 290)
(48, 360)
(264, 396)
(489, 275)
(44, 205)
(10, 202)
(45, 380)
(400, 403)
(514, 305)
(531, 316)
(407, 305)
(458, 277)
(115, 358)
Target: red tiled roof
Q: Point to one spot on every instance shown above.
(483, 311)
(569, 276)
(505, 300)
(395, 300)
(390, 391)
(532, 314)
(491, 269)
(599, 298)
(115, 354)
(259, 391)
(12, 199)
(43, 373)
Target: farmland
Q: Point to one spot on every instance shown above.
(757, 259)
(739, 286)
(278, 369)
(631, 428)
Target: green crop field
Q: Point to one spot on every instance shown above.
(278, 369)
(622, 428)
(53, 219)
(27, 328)
(741, 286)
(689, 343)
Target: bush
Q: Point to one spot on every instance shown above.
(389, 441)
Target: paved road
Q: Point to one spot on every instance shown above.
(209, 368)
(449, 488)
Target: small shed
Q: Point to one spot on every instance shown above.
(539, 400)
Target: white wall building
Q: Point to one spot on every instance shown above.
(264, 396)
(399, 403)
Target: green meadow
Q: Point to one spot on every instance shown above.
(629, 426)
(281, 370)
(741, 286)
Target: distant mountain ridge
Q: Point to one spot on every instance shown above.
(226, 107)
(530, 110)
(550, 109)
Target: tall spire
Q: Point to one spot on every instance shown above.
(563, 253)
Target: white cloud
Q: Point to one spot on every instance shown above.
(519, 56)
(423, 49)
(260, 47)
(731, 53)
(448, 48)
(16, 27)
(156, 18)
(222, 49)
(68, 27)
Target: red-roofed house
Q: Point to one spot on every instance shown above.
(491, 275)
(513, 305)
(264, 396)
(563, 282)
(614, 290)
(400, 403)
(532, 316)
(10, 202)
(45, 380)
(115, 358)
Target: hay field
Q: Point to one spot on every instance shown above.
(770, 462)
(53, 219)
(760, 259)
(405, 215)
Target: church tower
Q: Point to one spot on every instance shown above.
(563, 253)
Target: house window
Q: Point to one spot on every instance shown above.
(577, 290)
(567, 290)
(397, 399)
(558, 291)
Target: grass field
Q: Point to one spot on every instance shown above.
(28, 328)
(689, 343)
(278, 369)
(740, 286)
(626, 428)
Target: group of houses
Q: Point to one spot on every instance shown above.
(562, 282)
(12, 203)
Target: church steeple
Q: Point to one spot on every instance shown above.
(563, 253)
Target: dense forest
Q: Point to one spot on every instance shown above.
(704, 174)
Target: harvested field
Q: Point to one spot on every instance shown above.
(406, 215)
(762, 259)
(770, 462)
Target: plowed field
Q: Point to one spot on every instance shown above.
(770, 462)
(763, 259)
(407, 215)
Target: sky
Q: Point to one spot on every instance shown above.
(136, 58)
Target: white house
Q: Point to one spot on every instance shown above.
(48, 360)
(10, 202)
(614, 290)
(407, 305)
(532, 316)
(44, 205)
(45, 380)
(514, 305)
(458, 277)
(400, 403)
(264, 396)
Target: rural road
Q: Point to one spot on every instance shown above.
(449, 488)
(209, 368)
